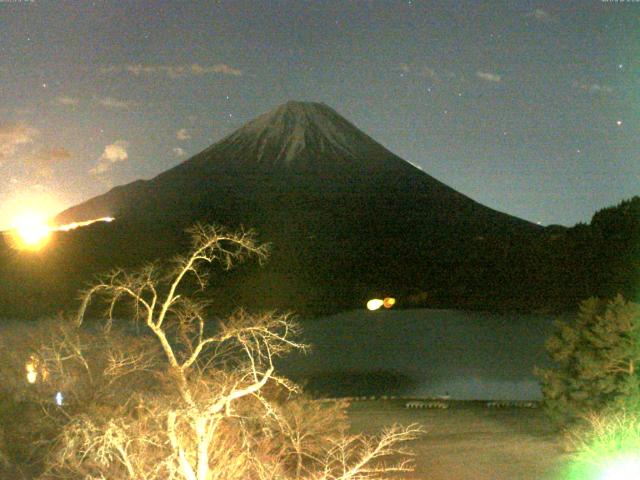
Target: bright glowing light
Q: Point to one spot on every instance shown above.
(623, 469)
(59, 399)
(35, 370)
(32, 374)
(32, 377)
(374, 304)
(74, 225)
(389, 302)
(30, 231)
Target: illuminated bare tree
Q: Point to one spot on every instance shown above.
(215, 408)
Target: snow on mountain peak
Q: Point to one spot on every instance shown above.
(297, 129)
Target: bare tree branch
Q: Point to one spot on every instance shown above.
(217, 410)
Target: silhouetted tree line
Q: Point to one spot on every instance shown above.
(551, 270)
(601, 259)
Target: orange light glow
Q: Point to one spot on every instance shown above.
(30, 231)
(389, 302)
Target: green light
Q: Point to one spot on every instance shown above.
(626, 468)
(619, 467)
(609, 448)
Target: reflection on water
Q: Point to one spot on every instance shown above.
(475, 388)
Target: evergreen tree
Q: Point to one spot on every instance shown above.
(598, 360)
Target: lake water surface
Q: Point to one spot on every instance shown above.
(468, 355)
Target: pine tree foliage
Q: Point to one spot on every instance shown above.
(597, 360)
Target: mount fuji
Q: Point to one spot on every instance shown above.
(347, 220)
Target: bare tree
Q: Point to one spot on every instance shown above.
(215, 407)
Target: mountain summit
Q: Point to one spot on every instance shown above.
(304, 137)
(297, 132)
(346, 217)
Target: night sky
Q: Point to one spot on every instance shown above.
(531, 108)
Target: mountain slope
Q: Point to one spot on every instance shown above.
(296, 147)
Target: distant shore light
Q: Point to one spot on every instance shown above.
(389, 302)
(374, 304)
(32, 373)
(32, 377)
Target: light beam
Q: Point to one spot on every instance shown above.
(31, 231)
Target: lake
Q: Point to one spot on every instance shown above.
(422, 353)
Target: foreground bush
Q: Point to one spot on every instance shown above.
(184, 399)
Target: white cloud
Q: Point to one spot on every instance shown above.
(540, 14)
(223, 68)
(488, 76)
(178, 152)
(172, 71)
(436, 76)
(113, 153)
(64, 100)
(596, 88)
(12, 135)
(110, 102)
(183, 134)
